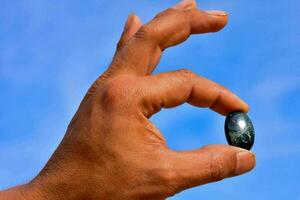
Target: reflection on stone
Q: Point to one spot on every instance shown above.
(239, 130)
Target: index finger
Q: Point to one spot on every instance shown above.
(171, 89)
(171, 27)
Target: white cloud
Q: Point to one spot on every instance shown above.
(273, 88)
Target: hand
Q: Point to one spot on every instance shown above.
(112, 151)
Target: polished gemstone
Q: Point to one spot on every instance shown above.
(239, 130)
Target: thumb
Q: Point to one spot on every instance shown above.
(210, 163)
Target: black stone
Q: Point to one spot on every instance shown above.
(239, 130)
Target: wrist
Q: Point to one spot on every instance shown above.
(42, 189)
(21, 192)
(51, 185)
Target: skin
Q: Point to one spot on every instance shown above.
(112, 151)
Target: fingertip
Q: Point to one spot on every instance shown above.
(208, 21)
(132, 22)
(245, 162)
(219, 19)
(215, 161)
(228, 102)
(128, 22)
(136, 20)
(236, 104)
(246, 108)
(241, 106)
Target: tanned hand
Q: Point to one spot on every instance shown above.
(111, 151)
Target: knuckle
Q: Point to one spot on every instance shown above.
(173, 13)
(222, 162)
(169, 180)
(146, 32)
(186, 73)
(187, 13)
(167, 12)
(117, 91)
(216, 168)
(167, 176)
(151, 30)
(114, 90)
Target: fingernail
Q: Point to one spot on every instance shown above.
(184, 4)
(216, 12)
(245, 162)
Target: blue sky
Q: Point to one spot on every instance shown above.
(51, 51)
